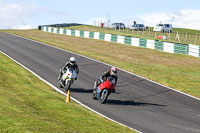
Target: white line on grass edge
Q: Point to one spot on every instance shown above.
(58, 90)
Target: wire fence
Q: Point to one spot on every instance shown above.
(175, 36)
(186, 38)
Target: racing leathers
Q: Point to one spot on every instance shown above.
(66, 66)
(104, 77)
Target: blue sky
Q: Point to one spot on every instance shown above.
(21, 14)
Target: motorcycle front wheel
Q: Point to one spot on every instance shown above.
(104, 96)
(67, 85)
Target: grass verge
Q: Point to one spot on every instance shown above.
(29, 105)
(181, 72)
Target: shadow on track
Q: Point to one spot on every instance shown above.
(119, 102)
(81, 90)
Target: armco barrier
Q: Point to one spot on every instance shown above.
(107, 37)
(77, 33)
(114, 38)
(169, 47)
(181, 48)
(194, 50)
(96, 35)
(158, 45)
(82, 33)
(135, 42)
(150, 44)
(86, 34)
(143, 43)
(102, 36)
(127, 40)
(65, 31)
(73, 32)
(120, 39)
(69, 32)
(91, 35)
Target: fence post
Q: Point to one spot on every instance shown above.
(196, 39)
(199, 39)
(143, 32)
(177, 37)
(169, 35)
(186, 37)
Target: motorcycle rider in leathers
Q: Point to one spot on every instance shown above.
(112, 72)
(70, 64)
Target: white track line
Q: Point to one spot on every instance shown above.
(58, 90)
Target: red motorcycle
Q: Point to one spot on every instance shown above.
(102, 91)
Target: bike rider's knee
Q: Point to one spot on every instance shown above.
(98, 82)
(61, 71)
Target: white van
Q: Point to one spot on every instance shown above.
(163, 28)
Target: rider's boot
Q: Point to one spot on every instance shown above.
(95, 85)
(60, 75)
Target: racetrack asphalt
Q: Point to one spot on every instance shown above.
(137, 103)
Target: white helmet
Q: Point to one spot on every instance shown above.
(113, 70)
(72, 60)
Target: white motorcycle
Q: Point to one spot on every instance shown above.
(67, 78)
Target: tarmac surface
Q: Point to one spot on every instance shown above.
(137, 103)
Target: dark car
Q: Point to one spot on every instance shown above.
(118, 26)
(137, 27)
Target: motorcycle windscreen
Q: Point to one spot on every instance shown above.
(71, 73)
(109, 83)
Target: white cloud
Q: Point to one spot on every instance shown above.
(22, 27)
(14, 14)
(187, 18)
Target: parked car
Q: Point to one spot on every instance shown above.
(137, 27)
(163, 28)
(118, 26)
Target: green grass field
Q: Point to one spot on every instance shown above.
(30, 106)
(181, 72)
